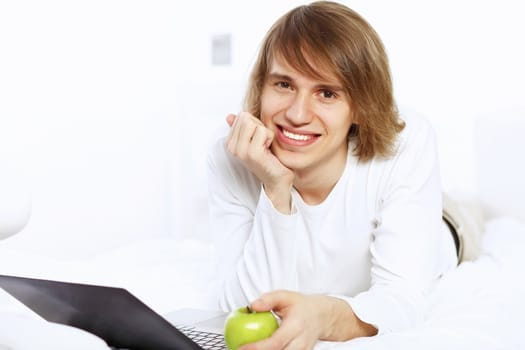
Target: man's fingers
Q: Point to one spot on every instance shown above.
(273, 300)
(262, 138)
(236, 139)
(230, 119)
(232, 135)
(247, 131)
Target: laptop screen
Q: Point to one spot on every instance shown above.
(113, 314)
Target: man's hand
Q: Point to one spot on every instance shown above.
(306, 319)
(250, 141)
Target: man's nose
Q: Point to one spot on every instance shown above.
(299, 112)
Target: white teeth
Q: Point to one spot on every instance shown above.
(295, 136)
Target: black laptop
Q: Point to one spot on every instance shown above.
(115, 315)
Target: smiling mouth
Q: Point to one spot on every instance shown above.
(296, 138)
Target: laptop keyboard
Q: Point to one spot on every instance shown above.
(206, 340)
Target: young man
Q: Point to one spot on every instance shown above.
(326, 202)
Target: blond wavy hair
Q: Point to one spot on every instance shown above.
(336, 39)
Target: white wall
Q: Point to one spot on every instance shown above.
(455, 61)
(87, 95)
(108, 106)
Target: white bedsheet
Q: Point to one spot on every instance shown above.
(480, 305)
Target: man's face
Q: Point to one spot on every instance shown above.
(310, 118)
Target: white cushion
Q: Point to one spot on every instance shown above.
(500, 144)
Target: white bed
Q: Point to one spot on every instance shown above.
(480, 305)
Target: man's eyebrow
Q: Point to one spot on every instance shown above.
(332, 87)
(278, 76)
(321, 86)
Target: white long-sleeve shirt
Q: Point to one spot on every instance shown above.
(377, 240)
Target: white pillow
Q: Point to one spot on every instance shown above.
(22, 332)
(500, 162)
(15, 201)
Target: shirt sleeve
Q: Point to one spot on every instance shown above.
(256, 243)
(404, 248)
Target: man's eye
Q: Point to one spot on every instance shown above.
(283, 84)
(328, 94)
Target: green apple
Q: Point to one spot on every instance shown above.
(245, 326)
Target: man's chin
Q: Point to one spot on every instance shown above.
(292, 160)
(292, 164)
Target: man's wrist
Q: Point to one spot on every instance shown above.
(281, 198)
(344, 323)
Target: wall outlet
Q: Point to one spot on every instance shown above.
(221, 50)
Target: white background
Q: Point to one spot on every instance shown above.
(107, 107)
